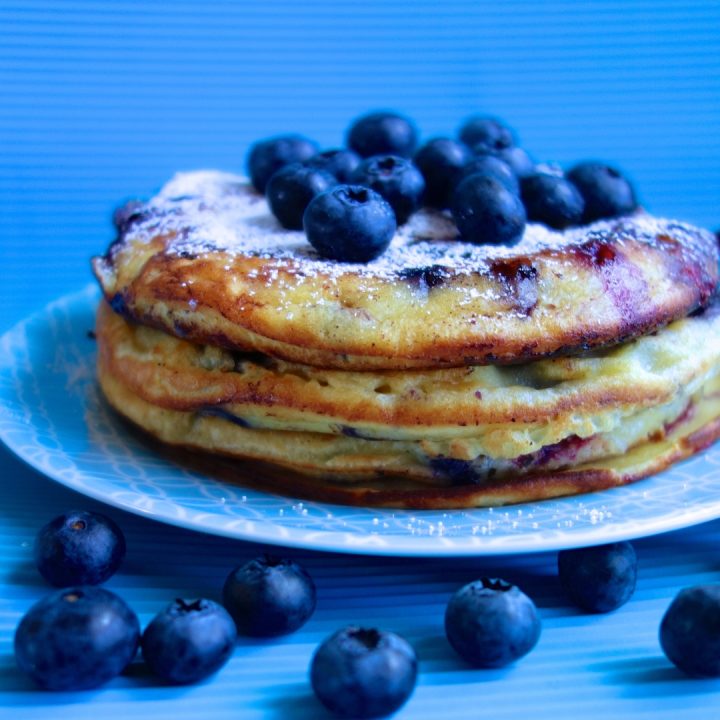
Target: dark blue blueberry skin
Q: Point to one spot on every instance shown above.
(269, 596)
(189, 640)
(491, 623)
(690, 631)
(128, 214)
(492, 166)
(396, 179)
(350, 223)
(79, 548)
(599, 579)
(290, 190)
(486, 212)
(606, 192)
(552, 201)
(382, 133)
(488, 132)
(266, 157)
(339, 163)
(442, 162)
(518, 160)
(77, 638)
(362, 673)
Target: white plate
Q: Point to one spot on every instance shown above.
(52, 417)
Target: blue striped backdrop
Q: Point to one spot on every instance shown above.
(104, 100)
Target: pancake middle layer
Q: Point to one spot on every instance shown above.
(436, 438)
(205, 260)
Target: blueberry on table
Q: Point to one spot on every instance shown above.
(491, 623)
(189, 640)
(269, 596)
(492, 166)
(486, 212)
(441, 161)
(290, 190)
(79, 548)
(552, 201)
(600, 578)
(338, 162)
(606, 192)
(690, 631)
(77, 638)
(350, 223)
(488, 132)
(266, 157)
(396, 179)
(382, 133)
(363, 673)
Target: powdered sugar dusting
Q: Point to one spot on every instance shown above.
(210, 211)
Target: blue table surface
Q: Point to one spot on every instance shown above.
(584, 666)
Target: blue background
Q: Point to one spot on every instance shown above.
(102, 101)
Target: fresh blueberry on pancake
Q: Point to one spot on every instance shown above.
(606, 192)
(690, 631)
(488, 132)
(396, 179)
(350, 223)
(188, 640)
(338, 162)
(290, 190)
(492, 166)
(76, 639)
(441, 161)
(363, 672)
(269, 596)
(599, 579)
(268, 156)
(552, 200)
(382, 133)
(491, 623)
(128, 213)
(486, 212)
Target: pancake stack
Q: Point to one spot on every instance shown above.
(442, 374)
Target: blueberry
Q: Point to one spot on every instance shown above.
(128, 214)
(606, 192)
(485, 211)
(552, 200)
(76, 638)
(79, 548)
(518, 160)
(267, 156)
(690, 631)
(382, 133)
(363, 673)
(339, 163)
(491, 623)
(350, 223)
(600, 578)
(290, 190)
(488, 132)
(441, 161)
(189, 640)
(396, 179)
(492, 166)
(269, 596)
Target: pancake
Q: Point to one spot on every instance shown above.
(206, 261)
(397, 474)
(501, 412)
(563, 424)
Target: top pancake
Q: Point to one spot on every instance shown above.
(207, 261)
